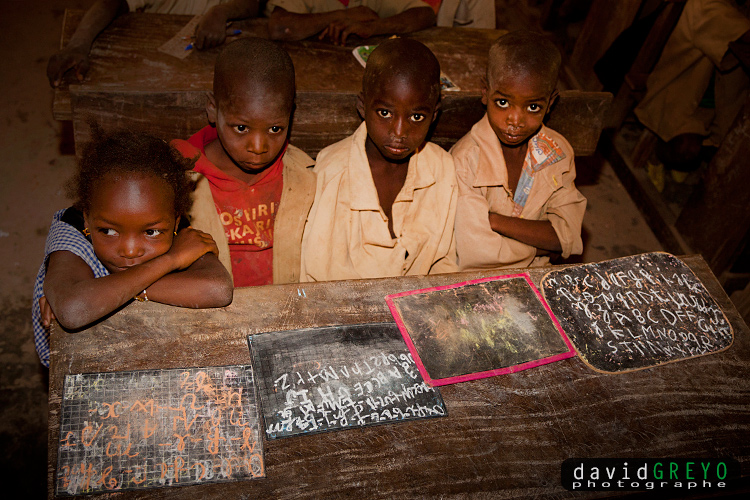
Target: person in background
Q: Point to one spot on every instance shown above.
(466, 14)
(210, 32)
(697, 87)
(337, 20)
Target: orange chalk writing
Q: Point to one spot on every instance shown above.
(112, 413)
(88, 430)
(156, 428)
(65, 442)
(149, 430)
(214, 440)
(138, 406)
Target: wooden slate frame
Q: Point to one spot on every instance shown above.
(636, 312)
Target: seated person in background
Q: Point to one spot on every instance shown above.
(467, 14)
(337, 19)
(698, 86)
(517, 201)
(122, 239)
(254, 189)
(385, 199)
(210, 32)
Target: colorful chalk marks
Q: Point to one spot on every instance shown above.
(636, 312)
(339, 377)
(478, 329)
(156, 428)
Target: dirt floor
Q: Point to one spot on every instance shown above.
(35, 172)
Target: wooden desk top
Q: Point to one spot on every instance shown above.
(130, 83)
(507, 435)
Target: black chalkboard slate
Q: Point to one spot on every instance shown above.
(636, 312)
(338, 377)
(156, 428)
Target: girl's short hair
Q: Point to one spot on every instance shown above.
(134, 153)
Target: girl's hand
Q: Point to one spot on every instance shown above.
(47, 315)
(190, 245)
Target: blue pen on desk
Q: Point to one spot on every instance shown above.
(233, 33)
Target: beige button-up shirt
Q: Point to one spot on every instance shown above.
(347, 236)
(676, 86)
(483, 188)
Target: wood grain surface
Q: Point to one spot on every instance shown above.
(504, 437)
(130, 84)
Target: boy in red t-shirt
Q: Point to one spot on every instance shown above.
(254, 189)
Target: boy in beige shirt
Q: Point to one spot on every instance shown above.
(385, 200)
(518, 203)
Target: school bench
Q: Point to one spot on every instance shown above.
(131, 84)
(503, 437)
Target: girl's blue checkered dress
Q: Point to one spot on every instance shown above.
(62, 236)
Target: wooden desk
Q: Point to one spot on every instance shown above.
(506, 435)
(131, 84)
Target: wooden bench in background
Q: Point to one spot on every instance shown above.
(131, 84)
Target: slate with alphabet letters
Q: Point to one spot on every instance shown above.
(338, 377)
(636, 312)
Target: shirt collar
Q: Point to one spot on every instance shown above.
(491, 171)
(363, 194)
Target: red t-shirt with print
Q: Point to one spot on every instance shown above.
(247, 212)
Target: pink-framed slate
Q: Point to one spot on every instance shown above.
(478, 328)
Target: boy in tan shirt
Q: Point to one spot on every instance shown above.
(518, 203)
(385, 200)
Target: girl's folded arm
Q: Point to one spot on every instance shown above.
(77, 298)
(205, 283)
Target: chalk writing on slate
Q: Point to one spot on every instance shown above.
(338, 377)
(156, 428)
(635, 312)
(479, 328)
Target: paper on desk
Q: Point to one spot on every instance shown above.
(177, 46)
(362, 53)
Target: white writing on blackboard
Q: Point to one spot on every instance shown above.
(646, 313)
(383, 387)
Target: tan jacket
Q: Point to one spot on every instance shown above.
(675, 87)
(482, 188)
(347, 236)
(296, 200)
